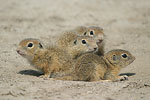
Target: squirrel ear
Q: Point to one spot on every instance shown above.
(75, 42)
(115, 57)
(40, 45)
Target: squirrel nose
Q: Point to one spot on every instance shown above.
(18, 51)
(134, 58)
(99, 40)
(95, 49)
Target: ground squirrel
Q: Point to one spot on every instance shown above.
(95, 32)
(91, 67)
(49, 60)
(76, 45)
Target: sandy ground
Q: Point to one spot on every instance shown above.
(126, 24)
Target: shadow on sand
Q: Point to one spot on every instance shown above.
(128, 74)
(30, 72)
(37, 73)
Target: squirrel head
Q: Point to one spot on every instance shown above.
(119, 57)
(92, 31)
(83, 44)
(28, 47)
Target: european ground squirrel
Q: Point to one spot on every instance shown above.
(49, 60)
(95, 32)
(76, 45)
(91, 67)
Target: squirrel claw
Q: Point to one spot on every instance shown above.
(45, 77)
(123, 78)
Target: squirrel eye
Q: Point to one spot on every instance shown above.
(83, 42)
(30, 45)
(124, 55)
(84, 33)
(91, 33)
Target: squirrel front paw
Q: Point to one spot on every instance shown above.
(123, 78)
(45, 77)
